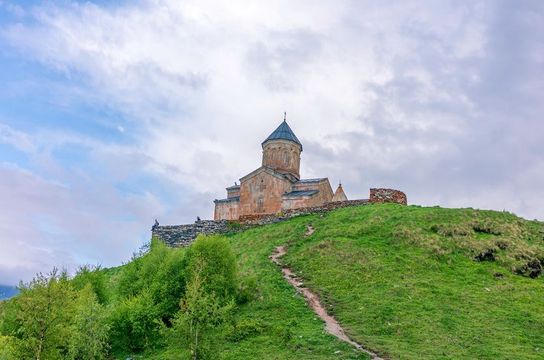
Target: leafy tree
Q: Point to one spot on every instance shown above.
(202, 313)
(94, 276)
(89, 339)
(44, 308)
(134, 324)
(211, 257)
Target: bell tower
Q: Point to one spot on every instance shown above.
(281, 151)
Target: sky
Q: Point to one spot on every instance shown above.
(115, 113)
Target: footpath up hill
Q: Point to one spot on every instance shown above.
(413, 282)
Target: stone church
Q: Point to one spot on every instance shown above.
(276, 185)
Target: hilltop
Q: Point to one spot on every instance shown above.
(404, 281)
(415, 282)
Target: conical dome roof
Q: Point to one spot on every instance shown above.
(283, 132)
(339, 195)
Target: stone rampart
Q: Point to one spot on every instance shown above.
(184, 235)
(387, 195)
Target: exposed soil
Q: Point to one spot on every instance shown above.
(331, 324)
(309, 230)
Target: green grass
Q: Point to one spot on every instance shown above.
(403, 281)
(408, 290)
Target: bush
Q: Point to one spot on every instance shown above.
(245, 328)
(134, 324)
(93, 276)
(89, 335)
(160, 272)
(247, 290)
(212, 258)
(8, 348)
(199, 323)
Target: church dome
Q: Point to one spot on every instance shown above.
(283, 132)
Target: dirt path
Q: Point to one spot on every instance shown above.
(331, 325)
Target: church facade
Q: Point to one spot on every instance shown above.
(276, 185)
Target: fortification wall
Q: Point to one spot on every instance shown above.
(184, 235)
(387, 195)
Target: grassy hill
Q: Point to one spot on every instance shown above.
(413, 282)
(407, 282)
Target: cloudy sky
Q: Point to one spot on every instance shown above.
(115, 113)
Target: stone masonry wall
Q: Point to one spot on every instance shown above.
(387, 195)
(262, 194)
(228, 210)
(282, 155)
(184, 235)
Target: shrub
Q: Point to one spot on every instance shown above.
(245, 328)
(134, 324)
(202, 314)
(212, 258)
(247, 290)
(160, 272)
(89, 335)
(37, 321)
(93, 276)
(8, 348)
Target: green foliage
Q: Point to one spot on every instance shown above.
(135, 324)
(95, 277)
(212, 259)
(8, 348)
(248, 289)
(90, 330)
(49, 319)
(161, 273)
(245, 328)
(43, 310)
(202, 311)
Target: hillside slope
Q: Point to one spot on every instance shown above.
(411, 282)
(405, 282)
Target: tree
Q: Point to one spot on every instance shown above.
(95, 276)
(201, 314)
(45, 307)
(212, 258)
(135, 325)
(89, 339)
